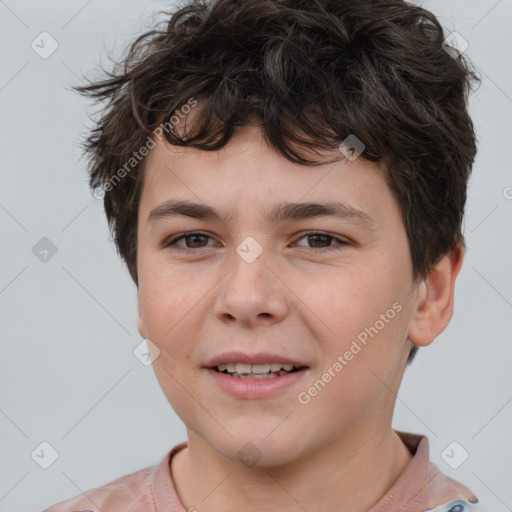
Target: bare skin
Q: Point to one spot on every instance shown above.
(305, 296)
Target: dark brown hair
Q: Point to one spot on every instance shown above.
(311, 72)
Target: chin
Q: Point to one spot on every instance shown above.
(259, 450)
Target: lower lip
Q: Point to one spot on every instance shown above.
(256, 388)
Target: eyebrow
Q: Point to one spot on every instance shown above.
(281, 212)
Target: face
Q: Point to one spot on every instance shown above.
(333, 293)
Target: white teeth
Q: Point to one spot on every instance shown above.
(269, 375)
(243, 368)
(260, 369)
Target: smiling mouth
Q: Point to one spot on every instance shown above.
(262, 371)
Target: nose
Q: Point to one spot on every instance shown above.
(251, 293)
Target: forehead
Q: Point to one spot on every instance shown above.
(248, 173)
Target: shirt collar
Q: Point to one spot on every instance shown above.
(421, 486)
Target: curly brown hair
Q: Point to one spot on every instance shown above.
(311, 72)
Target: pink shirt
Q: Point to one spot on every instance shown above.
(419, 488)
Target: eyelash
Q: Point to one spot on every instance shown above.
(188, 234)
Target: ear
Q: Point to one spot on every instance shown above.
(141, 327)
(434, 306)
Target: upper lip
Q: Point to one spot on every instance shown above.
(257, 358)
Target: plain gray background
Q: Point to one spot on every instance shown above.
(68, 375)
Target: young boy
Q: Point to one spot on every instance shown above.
(286, 183)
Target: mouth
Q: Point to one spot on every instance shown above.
(257, 382)
(261, 375)
(257, 371)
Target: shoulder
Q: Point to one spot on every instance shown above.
(458, 506)
(131, 492)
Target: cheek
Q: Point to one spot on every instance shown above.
(348, 299)
(168, 312)
(363, 315)
(168, 306)
(167, 293)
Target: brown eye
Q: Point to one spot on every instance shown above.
(193, 240)
(322, 241)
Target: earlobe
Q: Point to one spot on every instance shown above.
(435, 298)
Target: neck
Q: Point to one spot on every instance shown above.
(351, 474)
